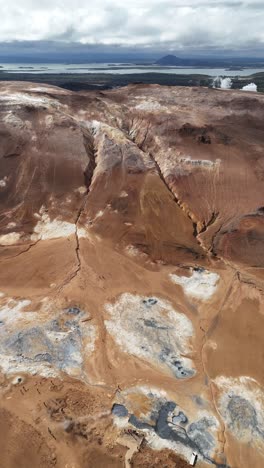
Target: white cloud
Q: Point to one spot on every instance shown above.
(174, 23)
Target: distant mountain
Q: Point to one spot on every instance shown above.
(173, 60)
(170, 60)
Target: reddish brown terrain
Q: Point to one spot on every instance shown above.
(131, 278)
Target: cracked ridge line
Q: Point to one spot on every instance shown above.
(196, 230)
(23, 251)
(88, 175)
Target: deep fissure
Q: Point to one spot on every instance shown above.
(88, 178)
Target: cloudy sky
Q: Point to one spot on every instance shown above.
(149, 26)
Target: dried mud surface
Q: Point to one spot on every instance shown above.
(131, 277)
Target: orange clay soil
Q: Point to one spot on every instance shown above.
(131, 277)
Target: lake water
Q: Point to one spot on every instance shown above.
(119, 69)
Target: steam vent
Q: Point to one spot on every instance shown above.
(131, 277)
